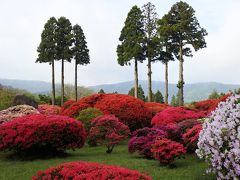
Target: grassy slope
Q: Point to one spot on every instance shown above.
(190, 168)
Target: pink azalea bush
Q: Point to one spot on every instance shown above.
(89, 171)
(219, 141)
(47, 109)
(16, 111)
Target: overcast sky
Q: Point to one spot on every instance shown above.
(102, 20)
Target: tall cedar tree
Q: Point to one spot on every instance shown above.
(80, 51)
(64, 39)
(183, 29)
(47, 49)
(140, 92)
(151, 40)
(131, 47)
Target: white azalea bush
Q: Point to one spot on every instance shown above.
(219, 141)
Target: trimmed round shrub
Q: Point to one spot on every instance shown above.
(219, 141)
(108, 130)
(188, 124)
(190, 138)
(89, 170)
(47, 109)
(87, 115)
(173, 115)
(16, 111)
(155, 108)
(142, 140)
(129, 110)
(25, 100)
(40, 132)
(166, 150)
(172, 130)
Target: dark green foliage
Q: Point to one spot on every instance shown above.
(44, 99)
(47, 47)
(158, 97)
(182, 29)
(64, 39)
(174, 101)
(214, 95)
(80, 50)
(101, 91)
(58, 100)
(23, 99)
(140, 93)
(87, 115)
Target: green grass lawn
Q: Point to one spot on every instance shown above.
(191, 168)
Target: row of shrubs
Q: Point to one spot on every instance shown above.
(174, 131)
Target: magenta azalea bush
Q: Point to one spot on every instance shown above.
(219, 141)
(142, 140)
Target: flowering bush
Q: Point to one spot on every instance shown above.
(154, 107)
(166, 150)
(67, 104)
(190, 138)
(210, 104)
(16, 111)
(89, 170)
(108, 130)
(47, 109)
(188, 124)
(143, 139)
(174, 115)
(219, 141)
(87, 115)
(129, 110)
(34, 132)
(74, 109)
(172, 130)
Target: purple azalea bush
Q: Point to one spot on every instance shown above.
(219, 141)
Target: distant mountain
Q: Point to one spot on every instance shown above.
(29, 85)
(193, 92)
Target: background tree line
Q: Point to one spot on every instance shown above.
(147, 37)
(60, 41)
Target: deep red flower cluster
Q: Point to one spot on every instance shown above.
(108, 130)
(129, 110)
(42, 132)
(143, 139)
(210, 104)
(166, 150)
(47, 109)
(155, 108)
(89, 170)
(174, 115)
(190, 138)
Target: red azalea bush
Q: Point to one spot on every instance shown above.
(67, 104)
(155, 108)
(166, 150)
(172, 130)
(174, 115)
(74, 109)
(47, 109)
(183, 126)
(108, 130)
(190, 138)
(35, 132)
(210, 104)
(89, 170)
(16, 111)
(142, 140)
(129, 110)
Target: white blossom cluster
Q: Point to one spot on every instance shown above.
(219, 141)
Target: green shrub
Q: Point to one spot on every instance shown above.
(87, 115)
